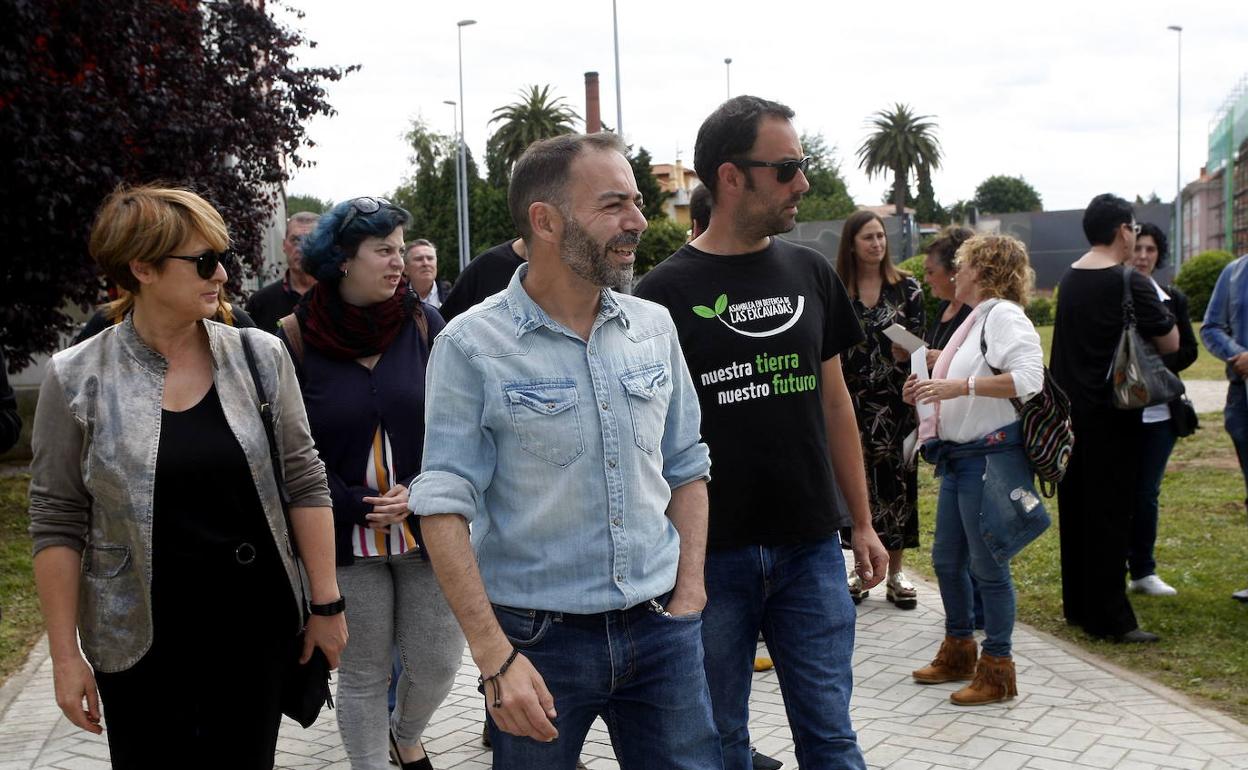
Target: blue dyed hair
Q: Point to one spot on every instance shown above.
(326, 249)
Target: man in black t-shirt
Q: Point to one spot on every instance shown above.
(762, 323)
(488, 273)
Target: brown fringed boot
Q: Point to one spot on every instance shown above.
(954, 662)
(994, 682)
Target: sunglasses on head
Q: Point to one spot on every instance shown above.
(365, 206)
(206, 263)
(785, 169)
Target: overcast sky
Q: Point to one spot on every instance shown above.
(1078, 97)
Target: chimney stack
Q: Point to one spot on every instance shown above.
(593, 113)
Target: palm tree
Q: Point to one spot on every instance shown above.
(901, 142)
(536, 116)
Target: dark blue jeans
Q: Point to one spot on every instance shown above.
(1236, 420)
(639, 670)
(1156, 446)
(796, 596)
(959, 552)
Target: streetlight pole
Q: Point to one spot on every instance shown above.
(1178, 153)
(619, 101)
(465, 250)
(728, 78)
(459, 203)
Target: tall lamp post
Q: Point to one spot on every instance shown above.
(465, 250)
(459, 182)
(1178, 152)
(619, 101)
(728, 78)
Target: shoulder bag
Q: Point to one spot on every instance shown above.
(305, 687)
(1138, 376)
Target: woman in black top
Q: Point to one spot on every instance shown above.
(1159, 435)
(938, 271)
(875, 372)
(1096, 498)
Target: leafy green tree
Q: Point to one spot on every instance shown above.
(900, 143)
(1199, 275)
(297, 203)
(1005, 195)
(960, 212)
(538, 115)
(662, 239)
(926, 207)
(652, 195)
(1152, 199)
(828, 197)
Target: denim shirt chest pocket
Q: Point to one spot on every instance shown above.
(649, 391)
(546, 418)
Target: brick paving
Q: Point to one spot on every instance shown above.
(1073, 711)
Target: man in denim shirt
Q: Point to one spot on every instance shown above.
(1225, 334)
(562, 424)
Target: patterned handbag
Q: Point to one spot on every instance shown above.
(1048, 436)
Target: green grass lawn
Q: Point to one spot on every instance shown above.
(1206, 367)
(1202, 545)
(22, 622)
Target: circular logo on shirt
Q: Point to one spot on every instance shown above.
(754, 310)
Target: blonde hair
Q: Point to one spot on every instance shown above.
(147, 223)
(1001, 267)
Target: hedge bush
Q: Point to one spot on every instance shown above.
(1040, 311)
(1197, 278)
(914, 268)
(662, 238)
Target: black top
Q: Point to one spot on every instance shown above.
(939, 332)
(488, 273)
(204, 507)
(755, 329)
(1088, 325)
(10, 420)
(271, 303)
(1189, 349)
(99, 321)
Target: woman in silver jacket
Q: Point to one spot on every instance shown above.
(158, 529)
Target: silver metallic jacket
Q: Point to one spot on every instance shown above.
(96, 432)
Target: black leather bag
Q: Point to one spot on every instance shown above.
(1138, 376)
(305, 687)
(1183, 419)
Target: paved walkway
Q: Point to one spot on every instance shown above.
(1073, 711)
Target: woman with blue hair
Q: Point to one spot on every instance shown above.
(360, 338)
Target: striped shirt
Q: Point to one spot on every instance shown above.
(397, 538)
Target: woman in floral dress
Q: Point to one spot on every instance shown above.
(875, 372)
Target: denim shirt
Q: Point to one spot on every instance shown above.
(1012, 513)
(562, 453)
(1225, 332)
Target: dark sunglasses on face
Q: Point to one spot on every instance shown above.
(206, 263)
(785, 169)
(365, 206)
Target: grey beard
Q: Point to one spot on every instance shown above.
(588, 259)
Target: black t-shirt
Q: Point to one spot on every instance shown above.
(1088, 325)
(939, 332)
(271, 303)
(755, 329)
(488, 273)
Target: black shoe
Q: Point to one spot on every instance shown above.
(396, 758)
(1135, 636)
(764, 762)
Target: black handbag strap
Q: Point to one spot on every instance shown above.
(266, 417)
(1128, 303)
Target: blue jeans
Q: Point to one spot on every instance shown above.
(1157, 444)
(1236, 420)
(959, 552)
(794, 594)
(639, 670)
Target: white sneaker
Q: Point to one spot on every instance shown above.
(1151, 585)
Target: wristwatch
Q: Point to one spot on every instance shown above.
(332, 608)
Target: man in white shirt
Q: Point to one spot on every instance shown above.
(420, 264)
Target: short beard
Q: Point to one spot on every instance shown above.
(589, 261)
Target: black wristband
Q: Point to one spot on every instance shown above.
(332, 608)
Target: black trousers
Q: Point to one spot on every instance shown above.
(207, 693)
(1096, 499)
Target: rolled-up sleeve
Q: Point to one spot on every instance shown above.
(1217, 332)
(460, 454)
(60, 504)
(1014, 347)
(685, 457)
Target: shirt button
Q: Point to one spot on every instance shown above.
(619, 578)
(610, 463)
(604, 406)
(550, 406)
(616, 521)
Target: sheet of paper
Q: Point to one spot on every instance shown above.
(918, 365)
(898, 334)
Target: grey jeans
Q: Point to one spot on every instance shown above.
(393, 600)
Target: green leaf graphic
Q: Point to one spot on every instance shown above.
(704, 311)
(721, 304)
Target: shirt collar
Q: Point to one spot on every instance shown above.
(528, 315)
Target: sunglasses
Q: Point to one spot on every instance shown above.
(785, 169)
(206, 263)
(364, 206)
